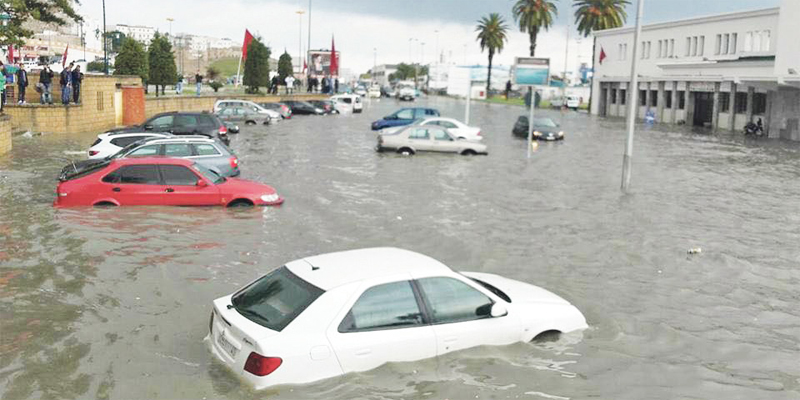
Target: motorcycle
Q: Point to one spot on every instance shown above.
(754, 129)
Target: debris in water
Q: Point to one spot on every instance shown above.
(27, 134)
(694, 250)
(399, 218)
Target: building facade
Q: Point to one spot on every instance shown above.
(381, 73)
(143, 34)
(720, 71)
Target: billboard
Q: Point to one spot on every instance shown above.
(530, 71)
(320, 62)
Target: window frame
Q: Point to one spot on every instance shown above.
(423, 311)
(196, 151)
(118, 179)
(426, 310)
(161, 174)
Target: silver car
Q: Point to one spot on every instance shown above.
(414, 138)
(242, 115)
(208, 152)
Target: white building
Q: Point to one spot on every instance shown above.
(143, 34)
(718, 71)
(380, 73)
(460, 76)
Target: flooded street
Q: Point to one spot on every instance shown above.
(114, 303)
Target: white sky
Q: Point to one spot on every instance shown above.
(357, 33)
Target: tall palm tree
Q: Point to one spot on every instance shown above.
(597, 15)
(533, 16)
(491, 36)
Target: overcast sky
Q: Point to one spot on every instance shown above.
(383, 27)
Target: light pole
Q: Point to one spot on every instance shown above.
(300, 40)
(632, 104)
(170, 27)
(374, 59)
(438, 59)
(105, 40)
(308, 48)
(421, 54)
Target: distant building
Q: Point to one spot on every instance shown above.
(380, 73)
(459, 77)
(720, 71)
(140, 33)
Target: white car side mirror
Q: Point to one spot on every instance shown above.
(498, 310)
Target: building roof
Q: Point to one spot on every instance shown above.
(693, 21)
(328, 271)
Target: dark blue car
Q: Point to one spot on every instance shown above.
(404, 116)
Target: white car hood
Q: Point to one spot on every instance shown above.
(519, 292)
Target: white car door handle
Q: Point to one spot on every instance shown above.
(363, 352)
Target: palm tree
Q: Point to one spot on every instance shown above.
(492, 36)
(597, 15)
(532, 16)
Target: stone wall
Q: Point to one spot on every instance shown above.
(157, 105)
(5, 134)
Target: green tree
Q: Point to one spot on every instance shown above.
(284, 66)
(492, 36)
(55, 12)
(408, 71)
(161, 62)
(256, 66)
(212, 73)
(597, 15)
(96, 66)
(533, 16)
(114, 40)
(132, 60)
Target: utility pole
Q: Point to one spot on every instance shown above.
(632, 104)
(300, 41)
(308, 48)
(105, 40)
(564, 79)
(170, 26)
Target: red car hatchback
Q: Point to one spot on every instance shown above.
(159, 181)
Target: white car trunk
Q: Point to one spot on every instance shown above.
(233, 337)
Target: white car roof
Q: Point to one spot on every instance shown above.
(184, 139)
(114, 135)
(328, 271)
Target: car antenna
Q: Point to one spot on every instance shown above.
(314, 268)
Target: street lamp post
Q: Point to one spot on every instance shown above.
(300, 40)
(632, 104)
(308, 48)
(170, 27)
(105, 40)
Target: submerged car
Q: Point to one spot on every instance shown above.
(180, 123)
(457, 128)
(110, 143)
(543, 129)
(404, 116)
(333, 314)
(303, 108)
(280, 108)
(247, 104)
(244, 115)
(415, 138)
(325, 105)
(347, 103)
(159, 181)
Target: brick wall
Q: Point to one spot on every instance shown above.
(157, 105)
(5, 134)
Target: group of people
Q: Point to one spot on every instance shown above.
(329, 85)
(70, 79)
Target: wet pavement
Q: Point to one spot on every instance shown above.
(114, 303)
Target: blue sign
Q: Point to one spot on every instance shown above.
(531, 71)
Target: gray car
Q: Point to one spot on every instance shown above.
(208, 152)
(242, 115)
(414, 138)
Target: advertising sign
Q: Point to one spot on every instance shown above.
(320, 62)
(530, 71)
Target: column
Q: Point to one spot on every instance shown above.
(751, 91)
(609, 88)
(674, 102)
(689, 104)
(732, 107)
(770, 97)
(646, 97)
(661, 101)
(619, 99)
(715, 109)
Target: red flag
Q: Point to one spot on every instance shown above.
(247, 39)
(602, 55)
(305, 66)
(64, 58)
(334, 68)
(10, 54)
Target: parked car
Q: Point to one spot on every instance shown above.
(414, 138)
(404, 116)
(181, 123)
(361, 91)
(325, 105)
(407, 93)
(374, 91)
(332, 314)
(220, 104)
(543, 129)
(280, 108)
(159, 181)
(206, 151)
(110, 143)
(572, 102)
(456, 128)
(243, 115)
(304, 108)
(388, 91)
(348, 103)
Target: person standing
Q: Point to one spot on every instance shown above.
(273, 89)
(3, 75)
(46, 79)
(77, 80)
(66, 84)
(179, 85)
(310, 85)
(508, 88)
(22, 83)
(336, 86)
(198, 79)
(289, 84)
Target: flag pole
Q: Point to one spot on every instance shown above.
(633, 105)
(238, 69)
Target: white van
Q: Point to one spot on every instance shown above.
(228, 103)
(345, 103)
(572, 102)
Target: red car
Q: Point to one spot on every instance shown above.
(159, 181)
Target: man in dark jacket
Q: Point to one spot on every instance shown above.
(77, 79)
(274, 88)
(66, 84)
(22, 83)
(46, 79)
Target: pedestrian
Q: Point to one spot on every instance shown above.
(273, 89)
(77, 80)
(198, 79)
(310, 85)
(46, 80)
(336, 86)
(22, 83)
(66, 84)
(179, 85)
(289, 84)
(508, 88)
(3, 93)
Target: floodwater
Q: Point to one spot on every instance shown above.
(114, 303)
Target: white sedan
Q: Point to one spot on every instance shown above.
(331, 314)
(458, 129)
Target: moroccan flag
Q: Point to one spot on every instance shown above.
(305, 65)
(334, 68)
(247, 39)
(602, 55)
(64, 58)
(10, 54)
